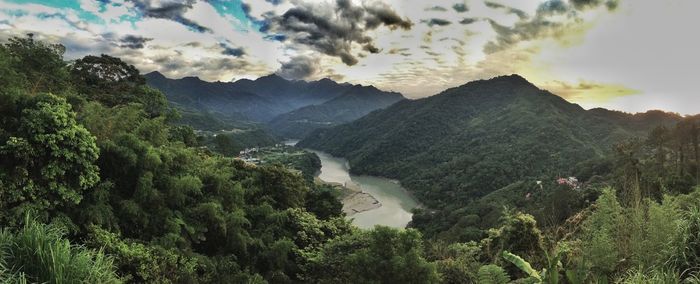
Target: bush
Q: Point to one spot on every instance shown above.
(40, 253)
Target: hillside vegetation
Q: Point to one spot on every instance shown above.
(98, 184)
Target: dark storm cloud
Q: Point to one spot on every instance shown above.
(169, 10)
(438, 22)
(333, 29)
(379, 13)
(133, 41)
(299, 67)
(231, 51)
(460, 7)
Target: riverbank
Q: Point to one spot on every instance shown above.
(354, 200)
(358, 201)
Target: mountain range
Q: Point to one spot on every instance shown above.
(471, 140)
(292, 108)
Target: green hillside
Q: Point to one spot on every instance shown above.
(466, 142)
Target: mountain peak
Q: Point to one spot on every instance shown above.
(513, 79)
(154, 74)
(272, 78)
(496, 87)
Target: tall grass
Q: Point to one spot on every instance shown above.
(639, 276)
(40, 253)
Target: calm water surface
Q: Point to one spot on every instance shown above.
(396, 202)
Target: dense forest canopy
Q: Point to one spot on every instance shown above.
(98, 185)
(88, 156)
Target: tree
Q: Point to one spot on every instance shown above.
(113, 82)
(628, 167)
(381, 255)
(48, 162)
(40, 63)
(106, 79)
(518, 234)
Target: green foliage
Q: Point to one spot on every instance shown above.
(600, 239)
(523, 265)
(650, 277)
(112, 82)
(456, 262)
(141, 263)
(381, 255)
(518, 234)
(48, 161)
(492, 274)
(39, 64)
(39, 253)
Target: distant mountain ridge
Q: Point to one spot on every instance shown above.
(356, 102)
(473, 139)
(274, 99)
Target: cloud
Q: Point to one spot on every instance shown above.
(588, 93)
(231, 51)
(467, 21)
(333, 28)
(546, 22)
(169, 10)
(520, 13)
(552, 7)
(584, 4)
(460, 7)
(299, 67)
(436, 9)
(134, 41)
(438, 22)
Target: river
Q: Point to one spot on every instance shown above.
(396, 202)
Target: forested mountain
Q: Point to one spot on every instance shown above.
(351, 105)
(262, 100)
(466, 142)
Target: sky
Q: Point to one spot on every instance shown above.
(629, 55)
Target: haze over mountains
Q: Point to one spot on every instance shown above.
(293, 108)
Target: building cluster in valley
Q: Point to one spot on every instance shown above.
(571, 182)
(247, 155)
(250, 155)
